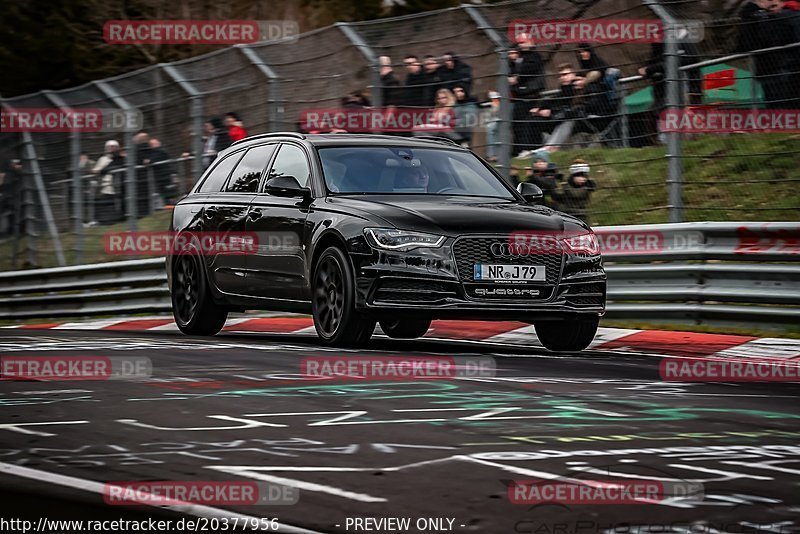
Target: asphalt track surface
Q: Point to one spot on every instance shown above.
(235, 408)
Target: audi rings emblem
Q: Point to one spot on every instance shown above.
(507, 250)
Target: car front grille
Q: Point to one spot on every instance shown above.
(471, 250)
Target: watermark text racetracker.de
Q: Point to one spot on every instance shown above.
(389, 119)
(606, 241)
(63, 120)
(604, 31)
(575, 491)
(211, 492)
(396, 367)
(723, 121)
(55, 368)
(211, 32)
(196, 243)
(729, 370)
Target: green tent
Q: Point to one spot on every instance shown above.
(739, 93)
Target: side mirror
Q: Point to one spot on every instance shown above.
(286, 186)
(532, 193)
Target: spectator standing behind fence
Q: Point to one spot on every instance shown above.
(217, 140)
(466, 112)
(455, 72)
(414, 91)
(390, 84)
(526, 79)
(355, 100)
(544, 174)
(789, 12)
(654, 70)
(11, 197)
(432, 79)
(108, 190)
(557, 113)
(577, 191)
(162, 170)
(235, 126)
(765, 25)
(596, 70)
(492, 121)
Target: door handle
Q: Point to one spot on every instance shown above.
(209, 213)
(254, 215)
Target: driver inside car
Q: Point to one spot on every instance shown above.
(415, 176)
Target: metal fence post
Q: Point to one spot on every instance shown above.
(751, 64)
(623, 110)
(673, 101)
(196, 98)
(506, 116)
(375, 69)
(130, 157)
(506, 105)
(274, 86)
(77, 180)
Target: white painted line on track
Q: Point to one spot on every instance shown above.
(197, 510)
(765, 347)
(88, 325)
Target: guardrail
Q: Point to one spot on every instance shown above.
(698, 272)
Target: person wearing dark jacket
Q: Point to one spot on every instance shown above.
(545, 174)
(577, 191)
(655, 71)
(414, 90)
(455, 72)
(432, 79)
(763, 28)
(162, 169)
(789, 13)
(390, 85)
(526, 79)
(596, 70)
(217, 140)
(558, 113)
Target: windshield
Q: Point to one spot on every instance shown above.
(401, 170)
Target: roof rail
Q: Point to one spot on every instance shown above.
(436, 138)
(273, 134)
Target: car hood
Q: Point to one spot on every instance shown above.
(457, 215)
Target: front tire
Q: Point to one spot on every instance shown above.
(405, 328)
(194, 311)
(333, 302)
(567, 336)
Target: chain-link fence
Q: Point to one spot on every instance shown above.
(61, 192)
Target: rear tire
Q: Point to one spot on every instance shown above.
(333, 302)
(405, 328)
(568, 336)
(195, 312)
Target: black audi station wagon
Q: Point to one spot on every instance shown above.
(366, 229)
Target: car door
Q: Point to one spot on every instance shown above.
(226, 212)
(276, 270)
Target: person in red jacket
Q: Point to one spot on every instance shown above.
(235, 126)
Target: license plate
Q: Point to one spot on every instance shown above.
(509, 273)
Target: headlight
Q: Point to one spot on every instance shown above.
(401, 240)
(582, 245)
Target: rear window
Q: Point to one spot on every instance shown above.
(219, 174)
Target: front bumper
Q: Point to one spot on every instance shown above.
(437, 283)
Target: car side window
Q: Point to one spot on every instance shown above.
(219, 174)
(291, 161)
(247, 174)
